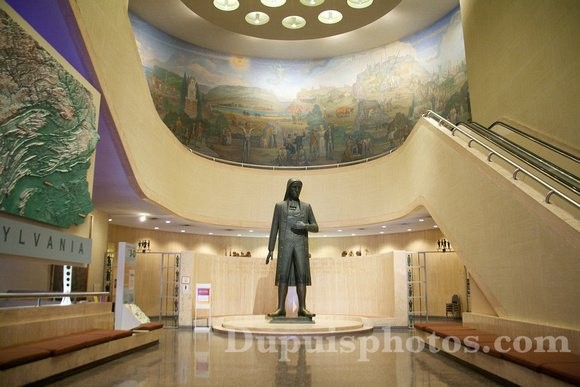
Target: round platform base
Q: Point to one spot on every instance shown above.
(320, 325)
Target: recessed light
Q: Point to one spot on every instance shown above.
(211, 233)
(294, 22)
(339, 230)
(273, 3)
(250, 230)
(421, 220)
(142, 218)
(312, 3)
(182, 230)
(330, 16)
(156, 227)
(435, 226)
(110, 220)
(257, 18)
(167, 221)
(359, 4)
(409, 229)
(226, 5)
(383, 226)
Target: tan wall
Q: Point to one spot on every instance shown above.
(369, 286)
(258, 247)
(522, 59)
(445, 271)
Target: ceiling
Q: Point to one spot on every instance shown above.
(178, 19)
(199, 23)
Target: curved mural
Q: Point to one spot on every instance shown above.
(305, 112)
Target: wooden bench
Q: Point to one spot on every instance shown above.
(564, 366)
(44, 342)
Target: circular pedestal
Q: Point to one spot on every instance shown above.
(322, 325)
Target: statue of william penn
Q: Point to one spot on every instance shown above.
(292, 221)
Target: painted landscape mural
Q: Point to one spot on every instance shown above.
(305, 112)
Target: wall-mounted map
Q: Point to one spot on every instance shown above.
(305, 112)
(48, 128)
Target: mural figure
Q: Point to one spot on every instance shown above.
(247, 142)
(292, 221)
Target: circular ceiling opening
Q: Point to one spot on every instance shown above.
(277, 10)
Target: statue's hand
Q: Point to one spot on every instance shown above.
(300, 225)
(269, 257)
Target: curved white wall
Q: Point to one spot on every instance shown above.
(522, 255)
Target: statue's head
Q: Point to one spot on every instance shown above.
(293, 189)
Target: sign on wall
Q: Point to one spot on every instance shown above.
(23, 239)
(202, 296)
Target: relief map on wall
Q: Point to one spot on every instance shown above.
(305, 112)
(48, 132)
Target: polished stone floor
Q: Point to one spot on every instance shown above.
(185, 358)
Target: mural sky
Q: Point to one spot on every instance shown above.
(304, 112)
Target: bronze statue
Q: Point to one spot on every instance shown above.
(292, 221)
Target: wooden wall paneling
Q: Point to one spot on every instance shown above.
(147, 283)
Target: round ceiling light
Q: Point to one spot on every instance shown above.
(226, 5)
(359, 4)
(330, 17)
(273, 3)
(312, 3)
(293, 22)
(257, 18)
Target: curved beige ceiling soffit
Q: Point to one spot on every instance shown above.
(392, 21)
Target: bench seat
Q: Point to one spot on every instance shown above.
(150, 326)
(35, 350)
(561, 365)
(15, 356)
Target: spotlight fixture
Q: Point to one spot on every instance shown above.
(359, 4)
(312, 3)
(330, 17)
(273, 3)
(226, 5)
(293, 22)
(257, 18)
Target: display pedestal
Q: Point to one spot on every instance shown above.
(125, 287)
(320, 325)
(291, 320)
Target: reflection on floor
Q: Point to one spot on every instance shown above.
(185, 358)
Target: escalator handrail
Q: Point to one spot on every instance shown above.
(453, 128)
(562, 176)
(545, 144)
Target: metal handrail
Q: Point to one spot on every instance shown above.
(453, 128)
(288, 167)
(39, 295)
(545, 144)
(553, 171)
